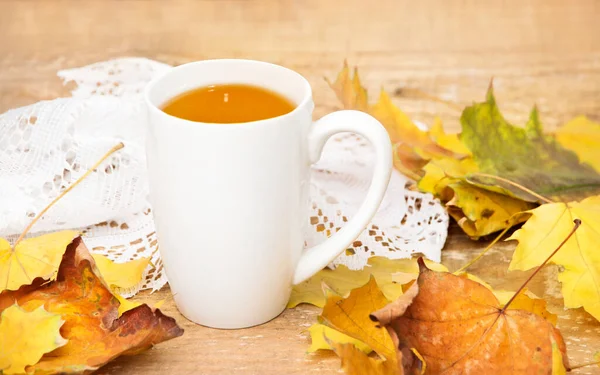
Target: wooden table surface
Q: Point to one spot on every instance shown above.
(544, 52)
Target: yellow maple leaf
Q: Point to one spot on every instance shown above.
(349, 90)
(389, 273)
(350, 316)
(126, 304)
(579, 258)
(121, 276)
(582, 136)
(412, 146)
(355, 362)
(31, 258)
(26, 336)
(448, 141)
(322, 336)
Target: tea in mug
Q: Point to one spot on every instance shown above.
(228, 104)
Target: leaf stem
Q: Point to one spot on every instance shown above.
(519, 186)
(577, 223)
(64, 192)
(463, 268)
(571, 368)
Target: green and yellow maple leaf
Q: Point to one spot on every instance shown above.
(510, 158)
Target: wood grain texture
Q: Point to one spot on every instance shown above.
(544, 52)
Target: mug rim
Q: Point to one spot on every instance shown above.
(306, 98)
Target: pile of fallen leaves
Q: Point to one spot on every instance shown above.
(400, 317)
(494, 175)
(58, 315)
(438, 322)
(60, 310)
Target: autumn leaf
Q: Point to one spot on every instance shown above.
(321, 337)
(27, 335)
(126, 304)
(389, 273)
(355, 362)
(477, 211)
(32, 258)
(582, 136)
(350, 316)
(448, 141)
(525, 301)
(522, 157)
(579, 260)
(96, 335)
(458, 326)
(480, 212)
(412, 146)
(121, 276)
(349, 90)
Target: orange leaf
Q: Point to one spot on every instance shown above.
(95, 335)
(349, 90)
(459, 327)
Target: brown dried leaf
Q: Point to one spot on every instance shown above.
(459, 327)
(95, 335)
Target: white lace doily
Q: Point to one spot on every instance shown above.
(47, 145)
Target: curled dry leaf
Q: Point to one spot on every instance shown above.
(579, 259)
(32, 258)
(477, 211)
(94, 332)
(27, 335)
(459, 327)
(389, 273)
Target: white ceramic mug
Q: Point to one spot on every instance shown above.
(231, 202)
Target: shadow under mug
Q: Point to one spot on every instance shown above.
(231, 201)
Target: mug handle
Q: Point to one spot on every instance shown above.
(318, 257)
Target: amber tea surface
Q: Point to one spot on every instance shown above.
(228, 104)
